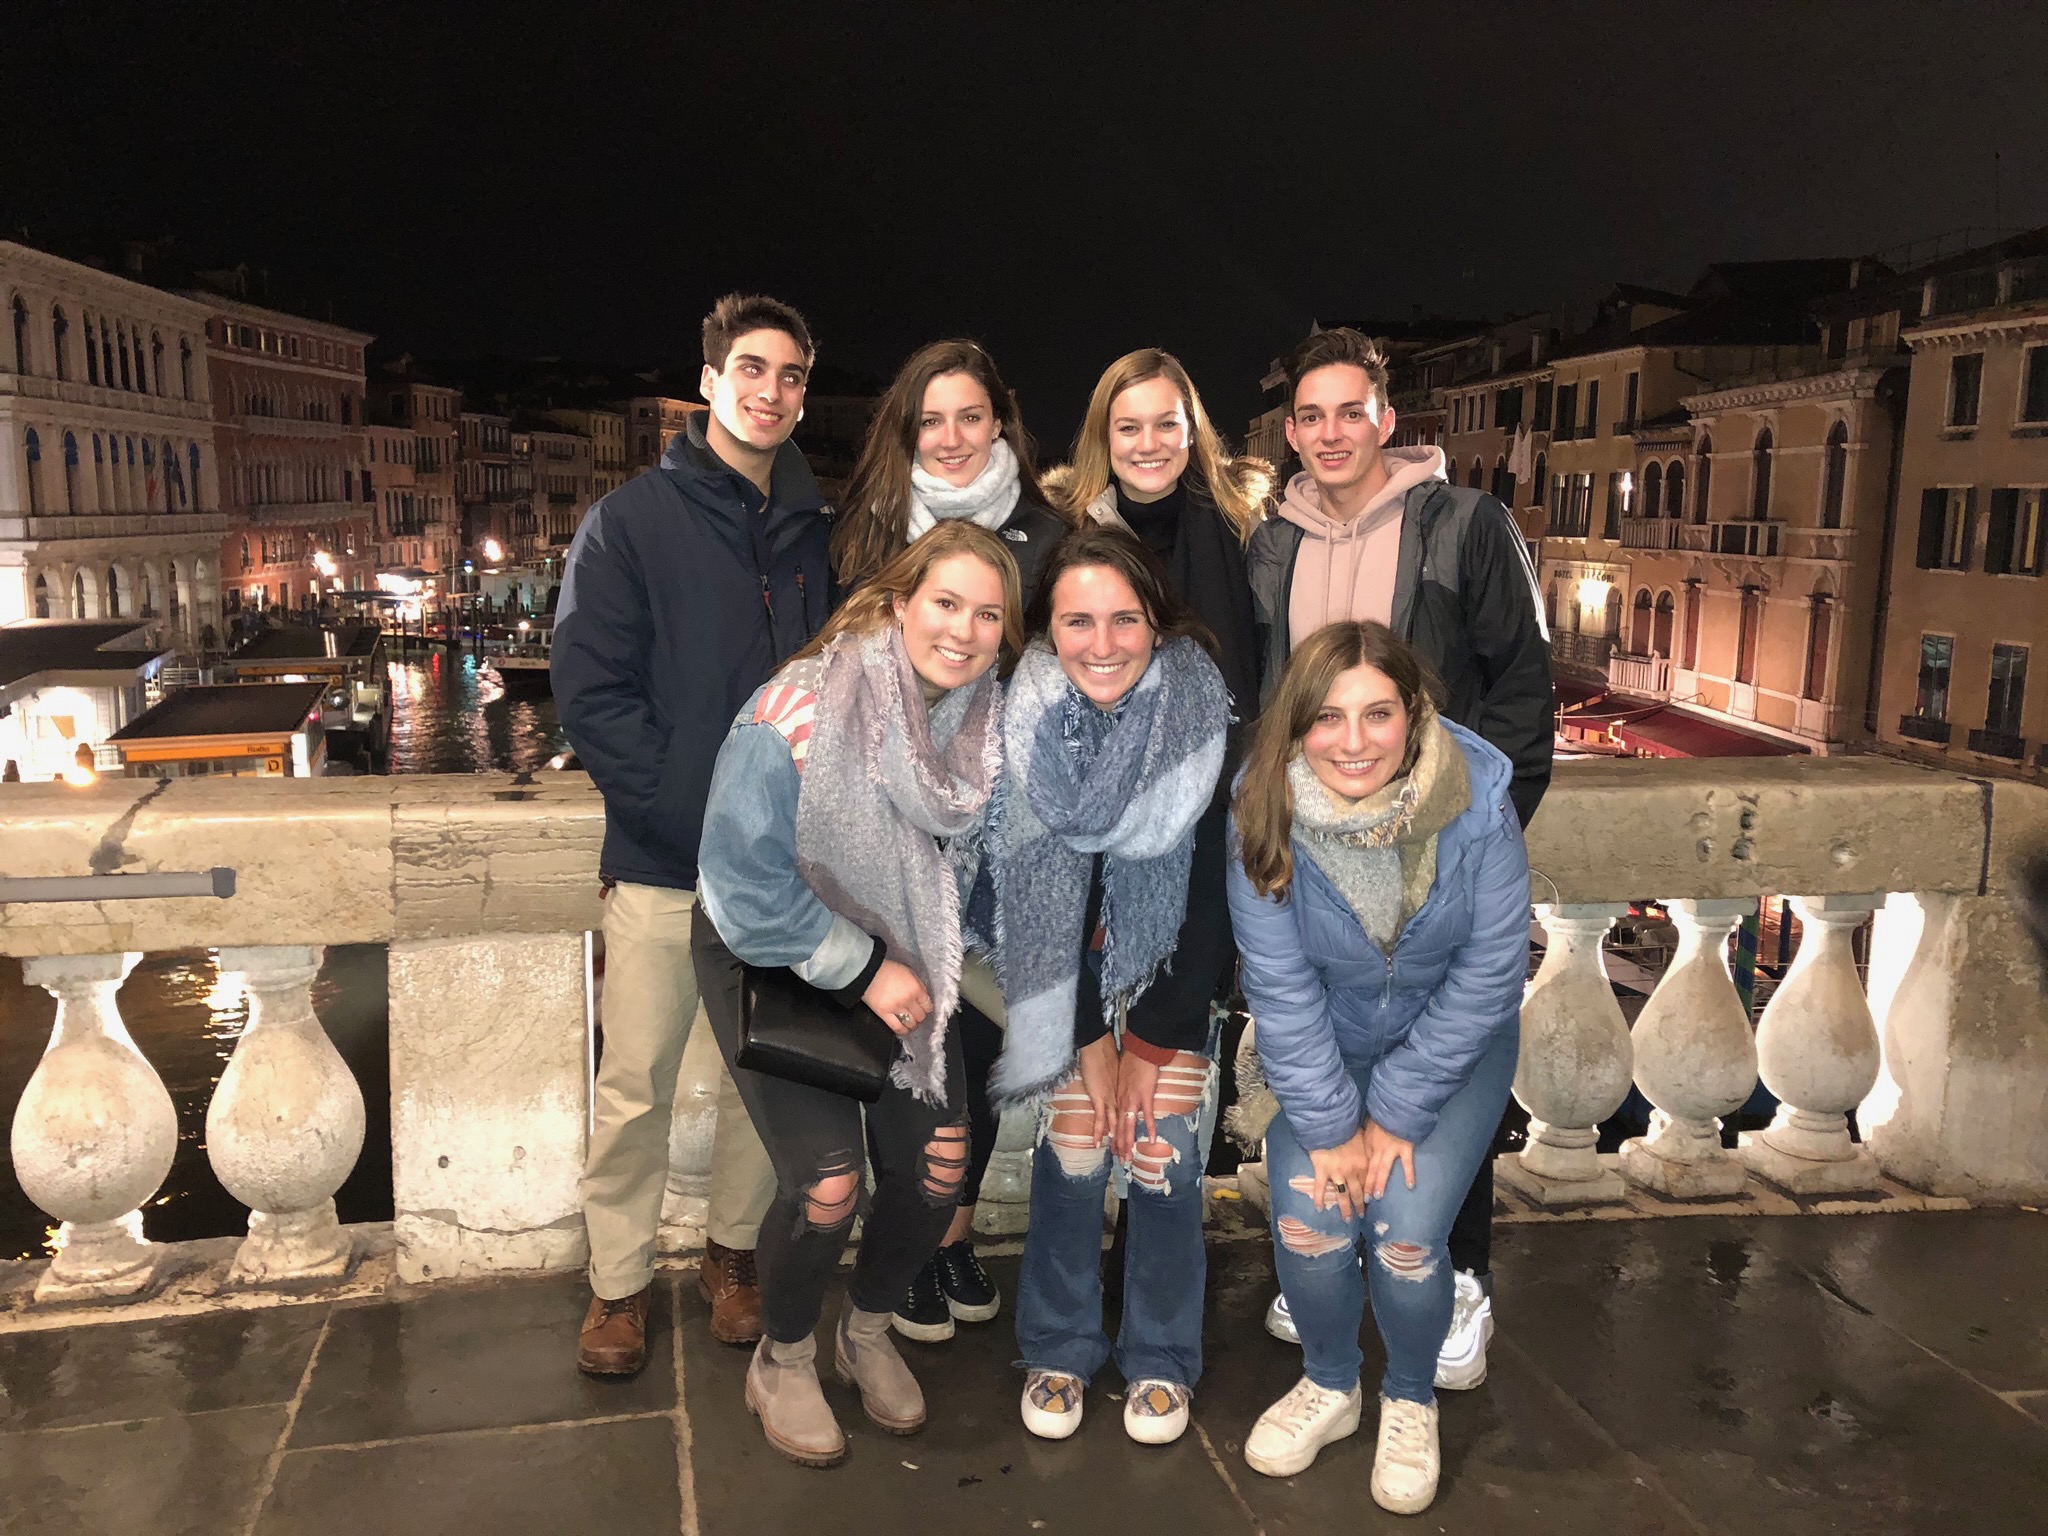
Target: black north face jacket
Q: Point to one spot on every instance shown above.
(1465, 596)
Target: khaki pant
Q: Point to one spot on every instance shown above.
(650, 1005)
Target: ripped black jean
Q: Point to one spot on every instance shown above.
(918, 1152)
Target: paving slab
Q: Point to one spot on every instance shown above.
(472, 1357)
(191, 1476)
(613, 1479)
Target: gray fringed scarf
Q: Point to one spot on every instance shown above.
(987, 500)
(1380, 852)
(883, 778)
(1129, 783)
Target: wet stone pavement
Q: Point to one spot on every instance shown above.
(1868, 1374)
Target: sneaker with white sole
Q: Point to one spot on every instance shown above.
(1405, 1466)
(1290, 1433)
(1155, 1411)
(1461, 1363)
(1052, 1404)
(1280, 1322)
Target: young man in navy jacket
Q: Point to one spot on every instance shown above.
(685, 589)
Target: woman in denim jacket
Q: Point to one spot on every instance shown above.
(834, 841)
(1380, 892)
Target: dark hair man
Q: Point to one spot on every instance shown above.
(685, 589)
(1371, 532)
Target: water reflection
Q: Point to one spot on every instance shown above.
(451, 714)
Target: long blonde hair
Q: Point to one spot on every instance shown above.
(1263, 806)
(1240, 486)
(873, 603)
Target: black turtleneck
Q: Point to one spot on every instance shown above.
(1155, 522)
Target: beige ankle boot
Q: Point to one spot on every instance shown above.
(783, 1393)
(865, 1356)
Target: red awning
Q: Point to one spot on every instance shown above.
(1670, 733)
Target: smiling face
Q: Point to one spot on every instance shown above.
(1148, 439)
(953, 622)
(1360, 735)
(1338, 428)
(1100, 632)
(956, 429)
(759, 394)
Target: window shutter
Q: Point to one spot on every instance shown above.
(2005, 505)
(1933, 506)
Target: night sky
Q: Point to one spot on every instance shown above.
(1063, 183)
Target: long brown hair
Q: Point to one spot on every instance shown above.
(873, 604)
(1239, 486)
(1123, 552)
(874, 513)
(1264, 805)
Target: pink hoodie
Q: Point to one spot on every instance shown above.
(1346, 570)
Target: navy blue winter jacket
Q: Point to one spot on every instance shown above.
(1327, 1001)
(686, 589)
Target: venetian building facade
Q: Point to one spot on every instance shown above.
(109, 494)
(1968, 604)
(400, 397)
(652, 421)
(607, 433)
(497, 512)
(398, 520)
(561, 468)
(289, 418)
(1496, 400)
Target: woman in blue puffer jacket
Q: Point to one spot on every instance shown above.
(1380, 892)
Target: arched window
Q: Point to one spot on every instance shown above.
(71, 474)
(1651, 500)
(35, 474)
(1835, 478)
(171, 476)
(1702, 501)
(171, 593)
(141, 378)
(60, 337)
(92, 352)
(1639, 624)
(156, 361)
(1478, 480)
(185, 366)
(1660, 632)
(78, 608)
(1536, 485)
(121, 346)
(1614, 613)
(117, 598)
(192, 468)
(21, 352)
(1674, 490)
(106, 352)
(1760, 476)
(145, 590)
(42, 597)
(1819, 623)
(99, 474)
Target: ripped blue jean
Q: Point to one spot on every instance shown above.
(1408, 1266)
(1059, 1293)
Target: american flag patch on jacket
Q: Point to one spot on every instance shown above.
(790, 710)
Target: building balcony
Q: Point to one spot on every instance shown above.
(1649, 533)
(1649, 676)
(1584, 652)
(76, 392)
(1922, 728)
(1743, 536)
(1999, 744)
(274, 514)
(113, 525)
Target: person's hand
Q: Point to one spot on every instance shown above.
(898, 997)
(1137, 1081)
(1098, 1080)
(1383, 1149)
(1343, 1176)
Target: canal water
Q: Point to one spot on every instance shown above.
(449, 715)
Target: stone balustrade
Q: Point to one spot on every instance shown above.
(484, 889)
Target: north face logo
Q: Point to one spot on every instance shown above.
(1016, 535)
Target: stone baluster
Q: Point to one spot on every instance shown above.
(1817, 1051)
(1575, 1064)
(1005, 1205)
(692, 1132)
(286, 1123)
(1695, 1060)
(94, 1133)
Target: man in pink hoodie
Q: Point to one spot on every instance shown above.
(1369, 532)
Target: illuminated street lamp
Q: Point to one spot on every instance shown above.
(493, 551)
(323, 562)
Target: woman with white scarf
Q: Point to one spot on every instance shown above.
(835, 844)
(947, 444)
(1113, 739)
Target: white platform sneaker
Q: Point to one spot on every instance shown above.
(1461, 1363)
(1289, 1434)
(1406, 1464)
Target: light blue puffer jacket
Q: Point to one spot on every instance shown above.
(1327, 1002)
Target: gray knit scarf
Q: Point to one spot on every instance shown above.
(987, 500)
(883, 779)
(1128, 783)
(1380, 852)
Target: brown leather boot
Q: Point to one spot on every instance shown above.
(727, 1281)
(614, 1338)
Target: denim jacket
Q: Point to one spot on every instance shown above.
(1329, 1002)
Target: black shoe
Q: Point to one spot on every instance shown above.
(970, 1295)
(924, 1314)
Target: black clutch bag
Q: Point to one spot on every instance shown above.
(789, 1029)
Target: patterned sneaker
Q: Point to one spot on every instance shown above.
(1461, 1363)
(1280, 1322)
(1052, 1404)
(1290, 1433)
(1405, 1467)
(1155, 1411)
(924, 1315)
(970, 1295)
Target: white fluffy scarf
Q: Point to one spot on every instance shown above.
(987, 500)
